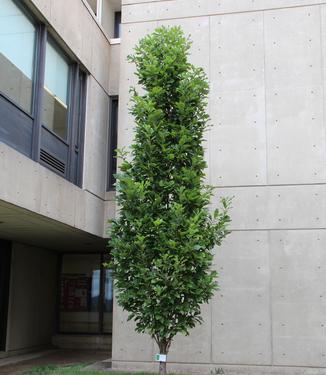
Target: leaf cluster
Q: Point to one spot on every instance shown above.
(162, 240)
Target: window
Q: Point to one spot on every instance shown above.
(17, 47)
(56, 91)
(86, 295)
(117, 24)
(113, 142)
(42, 94)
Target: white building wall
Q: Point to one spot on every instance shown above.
(265, 63)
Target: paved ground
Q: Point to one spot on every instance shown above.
(57, 357)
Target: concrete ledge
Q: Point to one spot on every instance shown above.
(208, 369)
(14, 358)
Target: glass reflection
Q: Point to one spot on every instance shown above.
(17, 46)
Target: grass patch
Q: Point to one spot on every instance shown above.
(70, 370)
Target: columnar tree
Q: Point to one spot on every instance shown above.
(163, 238)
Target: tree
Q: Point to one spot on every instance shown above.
(163, 237)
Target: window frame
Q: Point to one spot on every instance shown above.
(31, 124)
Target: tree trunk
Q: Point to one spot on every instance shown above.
(162, 369)
(164, 348)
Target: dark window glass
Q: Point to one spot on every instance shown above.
(113, 142)
(80, 292)
(56, 91)
(108, 301)
(117, 24)
(17, 47)
(85, 305)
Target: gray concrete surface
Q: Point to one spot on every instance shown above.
(265, 63)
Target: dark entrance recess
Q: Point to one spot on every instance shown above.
(85, 294)
(5, 258)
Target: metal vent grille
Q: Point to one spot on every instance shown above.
(52, 161)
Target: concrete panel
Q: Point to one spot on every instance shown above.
(128, 345)
(295, 114)
(237, 141)
(241, 331)
(56, 198)
(100, 58)
(15, 187)
(68, 22)
(131, 34)
(198, 343)
(150, 11)
(32, 308)
(276, 207)
(89, 213)
(237, 51)
(114, 69)
(96, 139)
(298, 294)
(237, 100)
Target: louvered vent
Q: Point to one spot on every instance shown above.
(52, 161)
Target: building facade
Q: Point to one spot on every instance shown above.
(63, 69)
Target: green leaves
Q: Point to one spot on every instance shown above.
(163, 239)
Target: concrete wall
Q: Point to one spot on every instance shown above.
(265, 61)
(32, 301)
